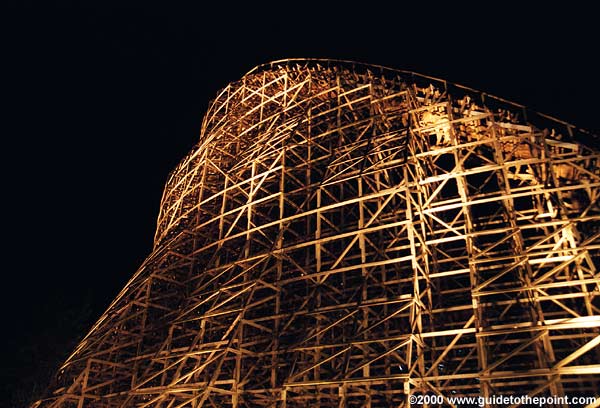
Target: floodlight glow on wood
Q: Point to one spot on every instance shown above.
(345, 235)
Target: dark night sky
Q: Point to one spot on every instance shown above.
(101, 104)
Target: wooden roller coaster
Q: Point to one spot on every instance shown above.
(346, 235)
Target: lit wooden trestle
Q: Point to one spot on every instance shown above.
(345, 235)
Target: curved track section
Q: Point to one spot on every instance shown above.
(346, 235)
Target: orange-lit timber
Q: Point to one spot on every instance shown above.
(346, 235)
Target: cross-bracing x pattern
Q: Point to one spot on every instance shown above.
(344, 236)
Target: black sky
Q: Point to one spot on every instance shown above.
(99, 106)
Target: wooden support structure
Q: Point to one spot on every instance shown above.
(346, 235)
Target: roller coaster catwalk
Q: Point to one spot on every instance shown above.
(346, 235)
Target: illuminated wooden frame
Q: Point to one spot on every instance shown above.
(346, 235)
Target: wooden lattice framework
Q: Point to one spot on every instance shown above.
(346, 235)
